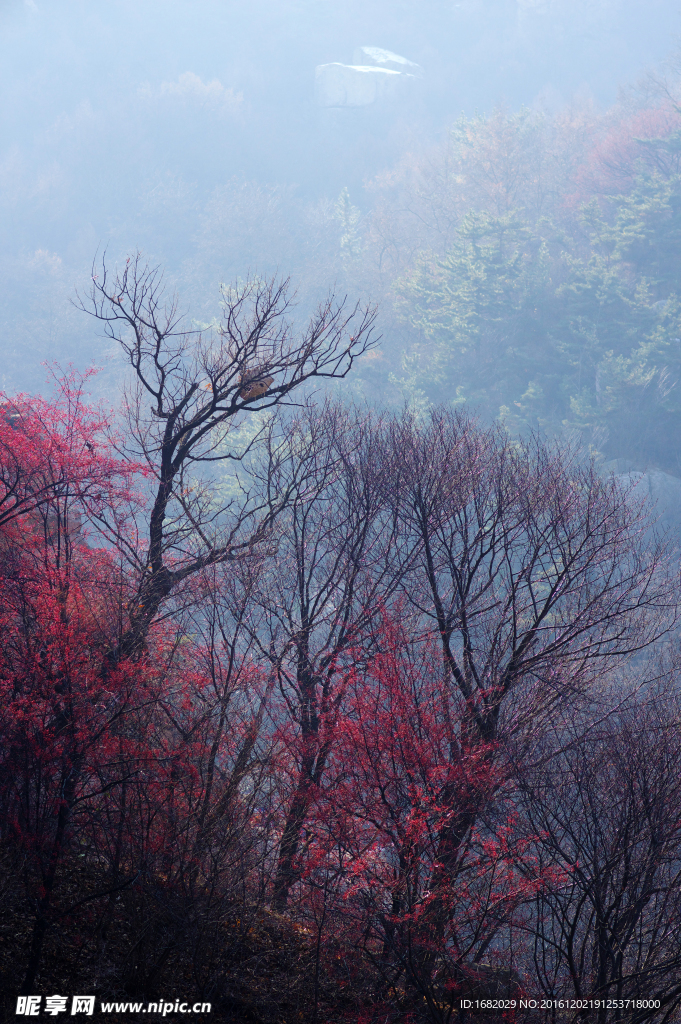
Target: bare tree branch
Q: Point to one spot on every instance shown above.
(198, 386)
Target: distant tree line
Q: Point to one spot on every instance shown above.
(531, 268)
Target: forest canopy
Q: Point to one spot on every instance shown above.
(309, 743)
(535, 266)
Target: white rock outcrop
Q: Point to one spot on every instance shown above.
(375, 56)
(348, 85)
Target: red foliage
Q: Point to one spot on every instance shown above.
(74, 728)
(403, 779)
(172, 766)
(59, 450)
(136, 765)
(623, 150)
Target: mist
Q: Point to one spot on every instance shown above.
(192, 132)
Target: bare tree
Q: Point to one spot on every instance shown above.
(187, 391)
(533, 573)
(335, 565)
(222, 625)
(606, 807)
(531, 567)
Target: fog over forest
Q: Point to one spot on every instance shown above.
(190, 131)
(340, 511)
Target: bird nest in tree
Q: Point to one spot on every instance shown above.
(253, 385)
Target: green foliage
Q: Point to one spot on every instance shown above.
(478, 309)
(552, 325)
(349, 217)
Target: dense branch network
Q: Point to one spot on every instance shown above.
(187, 390)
